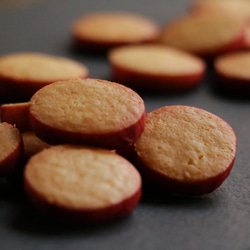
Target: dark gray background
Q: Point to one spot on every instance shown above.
(217, 221)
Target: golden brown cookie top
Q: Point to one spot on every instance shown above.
(115, 27)
(10, 139)
(37, 67)
(234, 65)
(203, 33)
(156, 60)
(186, 143)
(88, 106)
(240, 8)
(76, 177)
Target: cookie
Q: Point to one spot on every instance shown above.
(206, 35)
(89, 112)
(16, 114)
(240, 8)
(232, 71)
(156, 68)
(100, 31)
(74, 184)
(22, 74)
(185, 150)
(32, 144)
(11, 148)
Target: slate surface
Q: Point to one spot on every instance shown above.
(217, 221)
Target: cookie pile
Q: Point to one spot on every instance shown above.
(86, 145)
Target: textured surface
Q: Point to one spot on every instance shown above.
(199, 143)
(87, 106)
(40, 68)
(218, 221)
(184, 33)
(156, 60)
(10, 140)
(81, 178)
(113, 28)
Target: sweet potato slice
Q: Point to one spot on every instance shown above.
(75, 184)
(89, 112)
(232, 72)
(100, 31)
(156, 68)
(16, 114)
(11, 149)
(185, 150)
(22, 74)
(206, 35)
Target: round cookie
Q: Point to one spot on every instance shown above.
(16, 114)
(232, 72)
(239, 8)
(156, 68)
(87, 111)
(185, 150)
(205, 34)
(32, 144)
(11, 148)
(74, 184)
(101, 31)
(22, 74)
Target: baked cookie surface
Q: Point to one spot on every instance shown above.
(90, 111)
(29, 71)
(156, 67)
(206, 34)
(104, 30)
(190, 150)
(85, 184)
